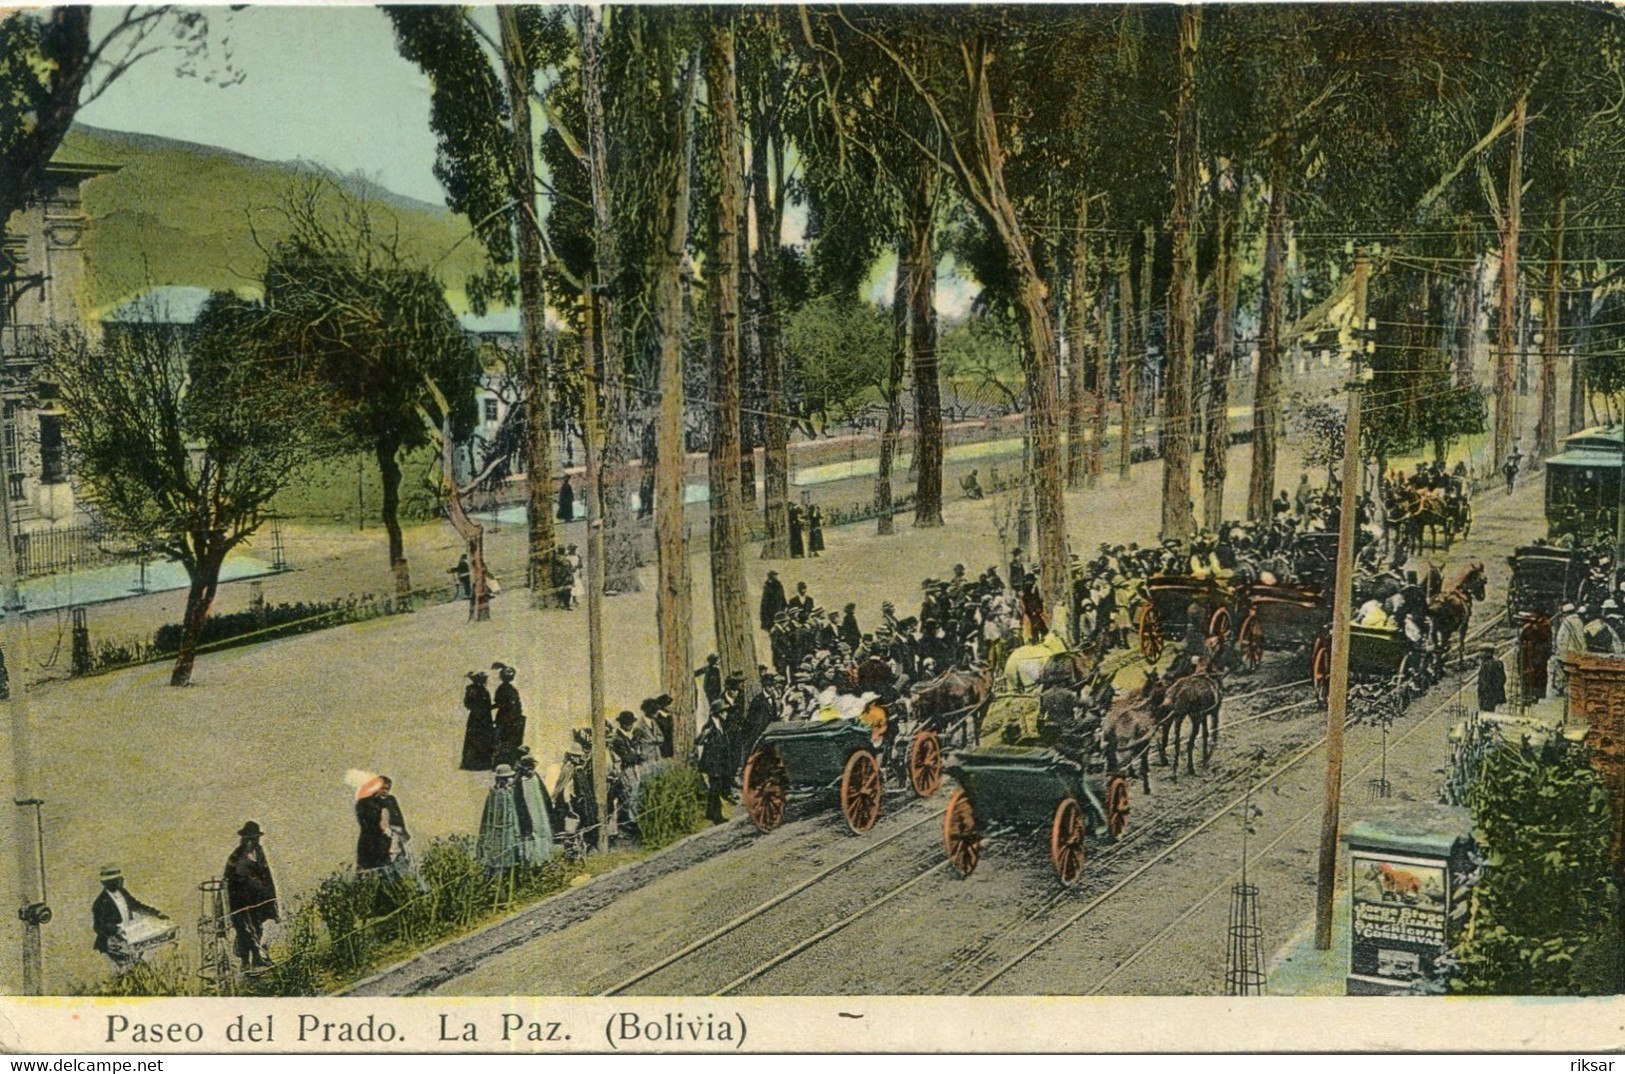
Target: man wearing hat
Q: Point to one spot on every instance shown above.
(851, 636)
(773, 601)
(112, 911)
(1492, 680)
(657, 713)
(1568, 636)
(710, 677)
(250, 896)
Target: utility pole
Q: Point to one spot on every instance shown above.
(32, 912)
(1342, 597)
(595, 574)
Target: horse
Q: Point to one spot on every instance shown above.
(1193, 699)
(956, 691)
(1423, 513)
(1453, 611)
(1050, 662)
(1130, 723)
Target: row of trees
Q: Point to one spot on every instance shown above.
(631, 170)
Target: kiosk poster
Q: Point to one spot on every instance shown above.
(1401, 906)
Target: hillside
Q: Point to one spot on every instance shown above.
(177, 213)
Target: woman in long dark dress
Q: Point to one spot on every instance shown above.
(479, 737)
(815, 530)
(797, 549)
(383, 832)
(509, 717)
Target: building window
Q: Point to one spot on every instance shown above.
(16, 485)
(490, 408)
(53, 469)
(13, 460)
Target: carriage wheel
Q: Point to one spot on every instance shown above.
(1066, 840)
(1116, 805)
(1320, 668)
(925, 763)
(960, 836)
(860, 791)
(1251, 641)
(1218, 629)
(1150, 631)
(767, 784)
(1410, 684)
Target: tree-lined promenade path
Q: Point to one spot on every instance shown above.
(158, 780)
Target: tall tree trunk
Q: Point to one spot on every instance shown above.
(540, 536)
(1551, 325)
(885, 524)
(736, 644)
(1044, 360)
(1097, 441)
(1267, 383)
(1469, 303)
(1577, 363)
(620, 533)
(1181, 334)
(768, 194)
(387, 451)
(922, 333)
(1148, 269)
(1077, 349)
(1216, 449)
(674, 597)
(205, 578)
(1506, 330)
(1128, 362)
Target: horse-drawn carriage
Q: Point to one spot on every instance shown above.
(802, 758)
(1419, 514)
(1031, 789)
(1543, 580)
(1286, 616)
(1165, 611)
(849, 745)
(1377, 655)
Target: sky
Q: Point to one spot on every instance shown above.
(325, 85)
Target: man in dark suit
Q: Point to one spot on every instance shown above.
(773, 601)
(112, 912)
(250, 896)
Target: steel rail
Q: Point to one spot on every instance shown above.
(1455, 696)
(763, 907)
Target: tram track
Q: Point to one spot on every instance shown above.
(921, 870)
(1173, 926)
(1156, 833)
(739, 921)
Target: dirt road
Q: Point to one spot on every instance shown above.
(157, 780)
(810, 909)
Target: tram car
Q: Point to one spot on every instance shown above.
(1031, 789)
(1582, 485)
